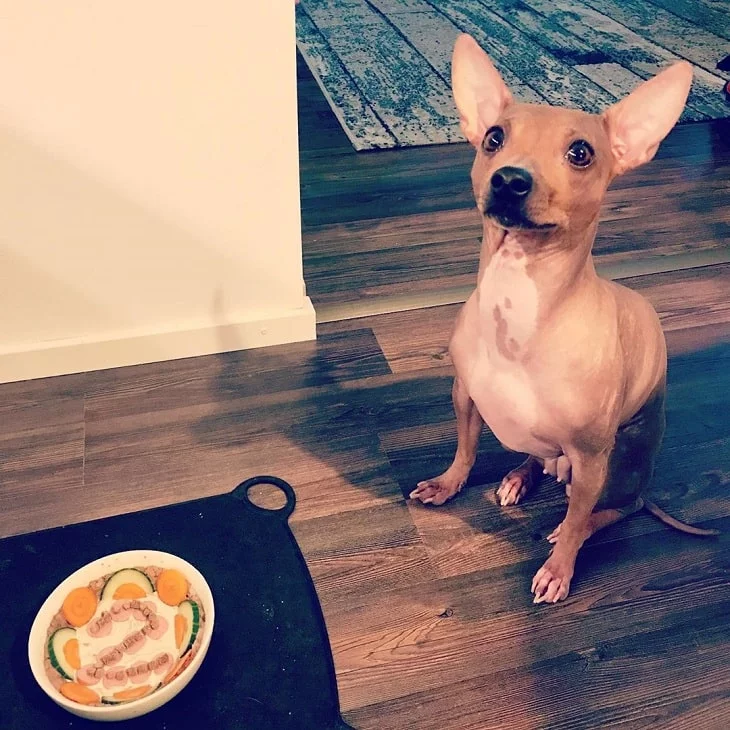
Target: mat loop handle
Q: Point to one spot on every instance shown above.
(241, 493)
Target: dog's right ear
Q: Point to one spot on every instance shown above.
(479, 91)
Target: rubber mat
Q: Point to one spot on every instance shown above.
(269, 665)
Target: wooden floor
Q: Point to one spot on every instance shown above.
(400, 226)
(429, 610)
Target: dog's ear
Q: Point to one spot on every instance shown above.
(637, 124)
(479, 91)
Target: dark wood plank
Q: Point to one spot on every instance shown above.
(354, 262)
(42, 402)
(391, 272)
(333, 358)
(482, 631)
(693, 306)
(428, 610)
(580, 689)
(203, 434)
(41, 476)
(41, 451)
(353, 554)
(687, 299)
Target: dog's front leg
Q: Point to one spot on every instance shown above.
(469, 424)
(589, 470)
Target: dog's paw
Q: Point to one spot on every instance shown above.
(518, 482)
(439, 490)
(552, 582)
(552, 538)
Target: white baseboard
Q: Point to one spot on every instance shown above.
(61, 357)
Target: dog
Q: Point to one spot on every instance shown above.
(562, 365)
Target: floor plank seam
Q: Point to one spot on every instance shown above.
(391, 304)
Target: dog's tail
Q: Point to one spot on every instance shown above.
(667, 519)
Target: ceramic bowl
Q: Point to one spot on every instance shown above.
(92, 571)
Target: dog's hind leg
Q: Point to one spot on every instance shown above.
(601, 518)
(630, 466)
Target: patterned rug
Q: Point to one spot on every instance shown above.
(384, 65)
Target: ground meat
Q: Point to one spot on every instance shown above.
(55, 678)
(152, 572)
(58, 622)
(97, 585)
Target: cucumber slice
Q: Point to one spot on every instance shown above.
(191, 612)
(122, 577)
(56, 642)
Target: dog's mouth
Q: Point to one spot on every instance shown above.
(509, 217)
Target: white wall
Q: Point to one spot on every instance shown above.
(149, 199)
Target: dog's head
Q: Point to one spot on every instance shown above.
(543, 168)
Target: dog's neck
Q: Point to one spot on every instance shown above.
(553, 259)
(527, 277)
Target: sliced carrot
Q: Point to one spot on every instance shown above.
(71, 652)
(172, 588)
(129, 590)
(181, 625)
(79, 606)
(79, 693)
(134, 693)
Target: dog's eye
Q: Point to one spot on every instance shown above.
(493, 139)
(580, 153)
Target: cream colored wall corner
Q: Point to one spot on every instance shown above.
(148, 183)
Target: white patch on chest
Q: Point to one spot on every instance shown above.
(506, 314)
(508, 302)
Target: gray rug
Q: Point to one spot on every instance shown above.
(384, 65)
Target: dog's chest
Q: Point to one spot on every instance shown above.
(505, 315)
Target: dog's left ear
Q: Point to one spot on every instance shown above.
(637, 124)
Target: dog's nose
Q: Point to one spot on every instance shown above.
(513, 182)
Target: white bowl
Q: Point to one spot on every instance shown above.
(83, 576)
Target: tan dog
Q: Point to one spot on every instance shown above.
(562, 365)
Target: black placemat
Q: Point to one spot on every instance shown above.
(269, 665)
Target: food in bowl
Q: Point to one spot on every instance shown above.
(124, 635)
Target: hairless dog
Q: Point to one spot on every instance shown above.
(561, 364)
